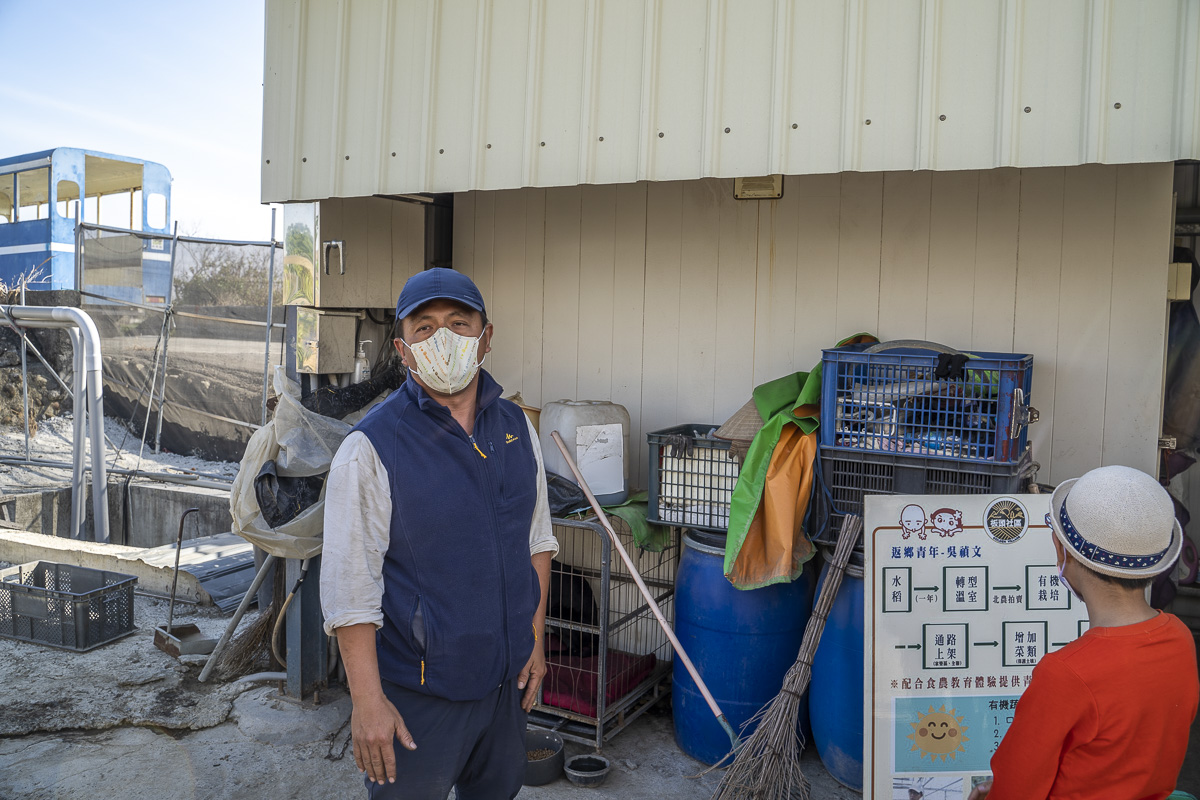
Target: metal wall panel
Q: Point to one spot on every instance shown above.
(676, 300)
(1053, 75)
(394, 96)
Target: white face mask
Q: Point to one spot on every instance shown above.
(446, 360)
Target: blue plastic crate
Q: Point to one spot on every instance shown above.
(893, 401)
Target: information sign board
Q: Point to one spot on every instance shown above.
(962, 598)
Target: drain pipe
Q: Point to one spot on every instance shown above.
(86, 342)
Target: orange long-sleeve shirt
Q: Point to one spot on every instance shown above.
(1107, 716)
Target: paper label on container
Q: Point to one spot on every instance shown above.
(599, 451)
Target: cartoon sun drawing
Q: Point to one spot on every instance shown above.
(939, 734)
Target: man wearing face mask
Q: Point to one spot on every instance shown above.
(1108, 714)
(436, 562)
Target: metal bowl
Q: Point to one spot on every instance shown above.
(587, 770)
(546, 769)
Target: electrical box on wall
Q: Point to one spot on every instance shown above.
(324, 341)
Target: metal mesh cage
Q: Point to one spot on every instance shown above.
(607, 658)
(62, 605)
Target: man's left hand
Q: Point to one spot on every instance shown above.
(531, 676)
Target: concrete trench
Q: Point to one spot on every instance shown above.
(141, 512)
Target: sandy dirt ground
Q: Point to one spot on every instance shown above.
(53, 442)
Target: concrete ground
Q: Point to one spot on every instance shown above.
(274, 748)
(128, 721)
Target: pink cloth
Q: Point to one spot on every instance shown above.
(571, 681)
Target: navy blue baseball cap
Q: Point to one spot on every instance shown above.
(438, 283)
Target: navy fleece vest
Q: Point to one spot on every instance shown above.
(460, 590)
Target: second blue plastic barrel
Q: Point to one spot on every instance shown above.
(836, 690)
(741, 642)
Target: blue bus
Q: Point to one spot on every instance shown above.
(39, 195)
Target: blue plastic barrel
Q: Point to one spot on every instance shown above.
(836, 689)
(741, 642)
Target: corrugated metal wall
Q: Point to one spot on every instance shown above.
(367, 97)
(675, 300)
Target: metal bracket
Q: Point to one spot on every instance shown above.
(340, 245)
(1167, 442)
(1022, 414)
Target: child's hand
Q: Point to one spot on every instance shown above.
(980, 791)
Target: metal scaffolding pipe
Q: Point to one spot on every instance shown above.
(88, 356)
(24, 381)
(79, 421)
(166, 340)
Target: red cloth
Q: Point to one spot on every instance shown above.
(571, 681)
(1107, 716)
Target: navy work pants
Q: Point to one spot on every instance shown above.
(477, 747)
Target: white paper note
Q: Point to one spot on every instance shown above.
(598, 452)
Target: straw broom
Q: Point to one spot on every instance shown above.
(766, 766)
(246, 650)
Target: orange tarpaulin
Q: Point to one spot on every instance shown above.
(772, 547)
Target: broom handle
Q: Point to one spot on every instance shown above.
(847, 538)
(612, 534)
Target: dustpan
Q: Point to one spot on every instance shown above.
(181, 640)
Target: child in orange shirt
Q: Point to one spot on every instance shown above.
(1108, 715)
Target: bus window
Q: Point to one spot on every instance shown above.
(68, 198)
(6, 198)
(156, 210)
(114, 209)
(33, 194)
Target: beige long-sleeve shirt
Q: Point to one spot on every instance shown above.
(358, 518)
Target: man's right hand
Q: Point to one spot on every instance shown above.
(374, 721)
(373, 726)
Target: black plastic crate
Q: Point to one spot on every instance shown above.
(851, 475)
(61, 605)
(692, 476)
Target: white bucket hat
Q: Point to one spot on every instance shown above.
(1118, 521)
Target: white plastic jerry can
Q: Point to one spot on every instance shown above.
(596, 433)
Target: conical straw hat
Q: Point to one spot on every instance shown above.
(744, 425)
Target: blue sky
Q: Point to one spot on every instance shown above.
(175, 82)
